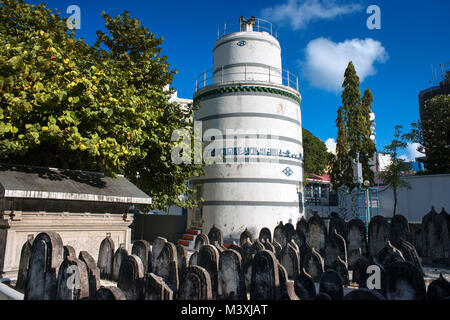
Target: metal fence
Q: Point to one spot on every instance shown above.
(261, 25)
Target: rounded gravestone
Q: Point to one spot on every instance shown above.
(399, 229)
(331, 284)
(304, 286)
(438, 289)
(379, 234)
(246, 234)
(356, 241)
(403, 281)
(316, 234)
(265, 234)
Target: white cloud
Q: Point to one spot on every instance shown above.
(299, 14)
(383, 161)
(331, 145)
(411, 152)
(326, 60)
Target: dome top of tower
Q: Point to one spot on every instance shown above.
(251, 24)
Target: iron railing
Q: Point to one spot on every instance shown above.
(246, 72)
(261, 25)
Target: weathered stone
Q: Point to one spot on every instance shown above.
(435, 237)
(246, 234)
(106, 258)
(313, 265)
(231, 284)
(195, 284)
(341, 268)
(438, 289)
(234, 246)
(182, 259)
(120, 255)
(379, 234)
(304, 286)
(131, 278)
(250, 253)
(73, 280)
(215, 234)
(157, 246)
(265, 234)
(219, 247)
(364, 294)
(279, 236)
(290, 260)
(409, 253)
(109, 293)
(331, 284)
(93, 272)
(166, 266)
(399, 229)
(208, 258)
(317, 234)
(22, 275)
(388, 254)
(277, 247)
(403, 281)
(143, 250)
(356, 241)
(303, 252)
(302, 226)
(200, 240)
(46, 257)
(193, 260)
(69, 251)
(286, 286)
(337, 224)
(268, 246)
(335, 248)
(156, 288)
(359, 275)
(289, 231)
(265, 282)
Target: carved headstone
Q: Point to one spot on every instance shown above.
(435, 235)
(277, 247)
(335, 248)
(120, 255)
(93, 272)
(69, 251)
(313, 265)
(359, 274)
(388, 254)
(403, 281)
(200, 240)
(317, 234)
(246, 234)
(208, 258)
(22, 275)
(157, 246)
(286, 286)
(268, 246)
(302, 226)
(409, 253)
(131, 278)
(337, 224)
(106, 258)
(195, 284)
(331, 284)
(193, 260)
(356, 241)
(290, 260)
(182, 259)
(73, 280)
(156, 288)
(215, 234)
(379, 234)
(265, 282)
(109, 293)
(231, 284)
(166, 266)
(341, 268)
(265, 234)
(304, 286)
(143, 250)
(279, 236)
(289, 231)
(399, 229)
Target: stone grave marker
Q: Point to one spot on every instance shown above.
(331, 284)
(356, 241)
(316, 234)
(304, 286)
(208, 258)
(231, 278)
(106, 257)
(265, 234)
(286, 286)
(93, 272)
(73, 280)
(195, 284)
(379, 234)
(278, 235)
(313, 265)
(120, 255)
(109, 293)
(25, 254)
(246, 234)
(265, 282)
(166, 266)
(157, 246)
(215, 234)
(438, 289)
(131, 278)
(290, 260)
(403, 281)
(200, 240)
(156, 288)
(143, 250)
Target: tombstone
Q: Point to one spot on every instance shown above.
(234, 246)
(166, 266)
(331, 284)
(208, 258)
(131, 278)
(106, 257)
(45, 259)
(265, 282)
(447, 217)
(302, 226)
(193, 260)
(195, 284)
(69, 251)
(157, 246)
(356, 241)
(409, 253)
(265, 234)
(399, 229)
(215, 234)
(250, 253)
(303, 252)
(379, 234)
(73, 280)
(246, 234)
(290, 260)
(403, 281)
(268, 246)
(313, 265)
(322, 296)
(364, 294)
(304, 286)
(334, 248)
(359, 274)
(109, 293)
(418, 241)
(341, 268)
(231, 285)
(277, 247)
(143, 250)
(25, 254)
(435, 237)
(120, 255)
(182, 259)
(219, 247)
(93, 272)
(156, 288)
(438, 289)
(279, 236)
(337, 224)
(286, 286)
(316, 233)
(288, 231)
(388, 254)
(200, 241)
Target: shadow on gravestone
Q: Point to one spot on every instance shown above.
(409, 253)
(156, 288)
(22, 275)
(364, 294)
(69, 251)
(157, 245)
(265, 281)
(195, 284)
(316, 233)
(399, 229)
(435, 235)
(182, 259)
(231, 278)
(331, 284)
(341, 268)
(388, 254)
(143, 250)
(359, 274)
(279, 236)
(403, 281)
(119, 256)
(93, 272)
(438, 289)
(290, 260)
(265, 234)
(208, 258)
(356, 241)
(73, 280)
(246, 234)
(106, 258)
(166, 266)
(286, 286)
(268, 246)
(313, 265)
(379, 234)
(337, 224)
(131, 278)
(288, 231)
(109, 293)
(215, 234)
(46, 257)
(193, 260)
(278, 248)
(304, 286)
(200, 240)
(335, 248)
(250, 253)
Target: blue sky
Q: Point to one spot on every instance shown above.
(316, 36)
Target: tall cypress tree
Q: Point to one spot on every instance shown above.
(341, 165)
(368, 146)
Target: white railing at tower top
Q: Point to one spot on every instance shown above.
(246, 73)
(260, 25)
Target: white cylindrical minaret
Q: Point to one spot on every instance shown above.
(252, 109)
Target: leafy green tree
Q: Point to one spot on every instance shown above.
(105, 108)
(315, 153)
(341, 170)
(392, 173)
(433, 134)
(367, 146)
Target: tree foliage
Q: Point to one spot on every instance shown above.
(315, 153)
(104, 107)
